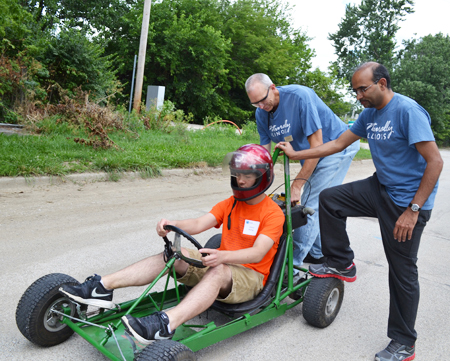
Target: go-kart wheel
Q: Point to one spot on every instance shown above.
(323, 300)
(177, 245)
(166, 350)
(214, 241)
(33, 314)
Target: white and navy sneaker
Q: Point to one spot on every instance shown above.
(149, 328)
(323, 271)
(395, 351)
(91, 292)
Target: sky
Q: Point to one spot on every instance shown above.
(321, 17)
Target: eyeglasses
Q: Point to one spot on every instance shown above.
(362, 90)
(256, 104)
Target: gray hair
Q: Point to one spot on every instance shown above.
(257, 78)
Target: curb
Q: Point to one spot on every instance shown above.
(85, 178)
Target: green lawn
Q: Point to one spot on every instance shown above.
(54, 152)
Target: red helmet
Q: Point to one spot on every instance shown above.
(250, 158)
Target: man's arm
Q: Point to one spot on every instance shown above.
(406, 222)
(191, 226)
(268, 147)
(253, 254)
(332, 147)
(308, 167)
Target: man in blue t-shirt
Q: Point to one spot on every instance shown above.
(400, 194)
(295, 114)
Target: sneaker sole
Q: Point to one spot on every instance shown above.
(135, 335)
(89, 301)
(342, 278)
(410, 358)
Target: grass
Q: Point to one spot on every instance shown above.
(54, 152)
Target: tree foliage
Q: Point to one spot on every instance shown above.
(94, 15)
(423, 73)
(202, 51)
(72, 61)
(367, 33)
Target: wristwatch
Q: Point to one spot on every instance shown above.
(414, 207)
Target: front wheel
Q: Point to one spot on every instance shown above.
(166, 350)
(34, 316)
(323, 300)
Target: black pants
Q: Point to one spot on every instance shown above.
(368, 198)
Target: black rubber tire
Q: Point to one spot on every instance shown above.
(214, 241)
(33, 316)
(323, 300)
(166, 350)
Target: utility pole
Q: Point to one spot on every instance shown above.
(141, 57)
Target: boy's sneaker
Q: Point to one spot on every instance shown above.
(91, 292)
(148, 329)
(396, 352)
(324, 271)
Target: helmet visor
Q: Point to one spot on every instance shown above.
(240, 163)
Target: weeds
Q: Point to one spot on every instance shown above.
(80, 136)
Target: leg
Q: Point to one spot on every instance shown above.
(330, 171)
(217, 281)
(162, 325)
(142, 272)
(355, 199)
(227, 283)
(403, 274)
(98, 291)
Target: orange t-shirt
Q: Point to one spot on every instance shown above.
(247, 223)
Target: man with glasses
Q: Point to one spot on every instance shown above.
(400, 194)
(295, 114)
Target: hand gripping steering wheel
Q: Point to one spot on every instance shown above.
(175, 249)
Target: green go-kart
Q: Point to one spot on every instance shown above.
(47, 318)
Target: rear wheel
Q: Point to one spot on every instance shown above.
(34, 316)
(323, 300)
(166, 350)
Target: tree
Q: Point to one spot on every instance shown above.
(202, 51)
(263, 41)
(72, 61)
(423, 74)
(329, 89)
(90, 15)
(367, 33)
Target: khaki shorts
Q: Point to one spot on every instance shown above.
(247, 283)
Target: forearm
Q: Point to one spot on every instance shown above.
(428, 182)
(191, 226)
(321, 151)
(307, 169)
(242, 256)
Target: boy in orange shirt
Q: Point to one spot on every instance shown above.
(235, 272)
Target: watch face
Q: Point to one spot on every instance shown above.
(415, 207)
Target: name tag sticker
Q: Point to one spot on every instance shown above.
(288, 138)
(251, 227)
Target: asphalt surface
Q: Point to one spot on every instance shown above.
(81, 225)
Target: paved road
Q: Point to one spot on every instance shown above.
(83, 227)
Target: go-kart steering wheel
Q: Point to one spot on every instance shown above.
(176, 247)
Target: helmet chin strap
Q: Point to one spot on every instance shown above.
(229, 216)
